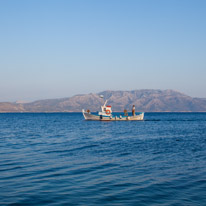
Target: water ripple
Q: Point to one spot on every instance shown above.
(59, 159)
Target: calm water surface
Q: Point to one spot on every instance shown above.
(60, 159)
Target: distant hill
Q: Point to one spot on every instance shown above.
(144, 100)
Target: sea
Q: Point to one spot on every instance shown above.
(61, 159)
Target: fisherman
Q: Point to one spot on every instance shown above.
(133, 110)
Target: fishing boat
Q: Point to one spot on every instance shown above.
(106, 115)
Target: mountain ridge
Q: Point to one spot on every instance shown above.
(146, 100)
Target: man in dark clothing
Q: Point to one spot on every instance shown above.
(133, 110)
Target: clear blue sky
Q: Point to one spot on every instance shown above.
(53, 49)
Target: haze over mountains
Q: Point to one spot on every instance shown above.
(144, 100)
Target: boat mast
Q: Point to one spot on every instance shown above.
(105, 103)
(102, 97)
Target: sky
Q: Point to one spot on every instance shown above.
(60, 48)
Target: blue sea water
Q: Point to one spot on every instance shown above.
(60, 159)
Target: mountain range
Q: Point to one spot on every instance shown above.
(146, 100)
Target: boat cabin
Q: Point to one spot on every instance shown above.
(106, 110)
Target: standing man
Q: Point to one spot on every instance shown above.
(133, 110)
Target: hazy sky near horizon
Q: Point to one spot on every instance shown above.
(59, 48)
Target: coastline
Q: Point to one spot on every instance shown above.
(79, 112)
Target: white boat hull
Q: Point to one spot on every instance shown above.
(89, 116)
